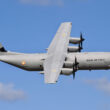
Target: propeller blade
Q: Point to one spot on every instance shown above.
(75, 67)
(81, 43)
(81, 37)
(73, 75)
(76, 64)
(80, 48)
(75, 61)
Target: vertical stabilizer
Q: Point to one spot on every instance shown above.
(2, 49)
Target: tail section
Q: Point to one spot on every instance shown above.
(2, 49)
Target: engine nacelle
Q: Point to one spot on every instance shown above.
(66, 71)
(73, 49)
(74, 40)
(68, 64)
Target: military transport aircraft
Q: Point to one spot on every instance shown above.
(60, 59)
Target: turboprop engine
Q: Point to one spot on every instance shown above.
(74, 49)
(70, 67)
(66, 71)
(77, 40)
(68, 64)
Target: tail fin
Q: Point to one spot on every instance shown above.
(2, 49)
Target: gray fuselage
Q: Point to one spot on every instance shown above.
(34, 62)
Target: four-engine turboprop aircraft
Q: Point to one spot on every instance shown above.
(60, 57)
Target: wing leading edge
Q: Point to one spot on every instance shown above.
(57, 53)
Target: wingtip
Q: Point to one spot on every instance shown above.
(50, 82)
(67, 23)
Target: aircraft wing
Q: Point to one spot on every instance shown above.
(57, 53)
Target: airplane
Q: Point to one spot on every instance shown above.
(60, 59)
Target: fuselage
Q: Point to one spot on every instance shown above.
(30, 62)
(34, 62)
(91, 60)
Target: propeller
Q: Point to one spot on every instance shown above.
(81, 36)
(81, 43)
(75, 67)
(80, 48)
(74, 75)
